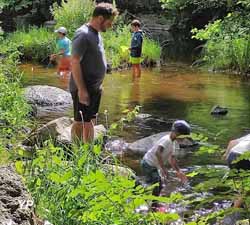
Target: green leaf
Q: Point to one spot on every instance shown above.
(19, 167)
(97, 149)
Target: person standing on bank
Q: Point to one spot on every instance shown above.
(88, 71)
(136, 48)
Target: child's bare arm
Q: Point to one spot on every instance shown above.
(173, 163)
(161, 163)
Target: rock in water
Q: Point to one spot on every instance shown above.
(43, 95)
(218, 110)
(16, 205)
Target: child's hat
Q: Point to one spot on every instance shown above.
(62, 30)
(181, 127)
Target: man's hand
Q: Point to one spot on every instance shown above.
(182, 177)
(83, 97)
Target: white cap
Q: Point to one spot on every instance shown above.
(62, 30)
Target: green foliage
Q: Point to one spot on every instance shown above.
(224, 184)
(35, 44)
(79, 191)
(13, 107)
(72, 14)
(196, 5)
(16, 6)
(228, 43)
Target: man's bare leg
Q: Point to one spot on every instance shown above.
(88, 132)
(83, 132)
(77, 132)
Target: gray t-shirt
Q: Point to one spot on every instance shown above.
(88, 44)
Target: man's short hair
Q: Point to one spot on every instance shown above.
(136, 23)
(106, 10)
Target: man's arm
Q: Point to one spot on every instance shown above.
(79, 81)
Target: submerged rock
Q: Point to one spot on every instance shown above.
(58, 130)
(141, 146)
(117, 147)
(218, 110)
(43, 95)
(119, 170)
(16, 205)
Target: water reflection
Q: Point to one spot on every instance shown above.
(174, 92)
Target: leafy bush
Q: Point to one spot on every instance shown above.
(72, 14)
(228, 43)
(82, 191)
(36, 44)
(13, 107)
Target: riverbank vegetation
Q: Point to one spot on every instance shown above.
(36, 44)
(220, 29)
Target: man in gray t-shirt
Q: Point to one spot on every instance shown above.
(88, 70)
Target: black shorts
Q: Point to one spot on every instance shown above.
(88, 112)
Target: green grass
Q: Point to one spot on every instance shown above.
(36, 44)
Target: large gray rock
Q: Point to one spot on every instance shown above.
(16, 205)
(141, 146)
(58, 130)
(43, 95)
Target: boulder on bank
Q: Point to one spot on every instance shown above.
(242, 147)
(141, 146)
(16, 205)
(43, 95)
(58, 130)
